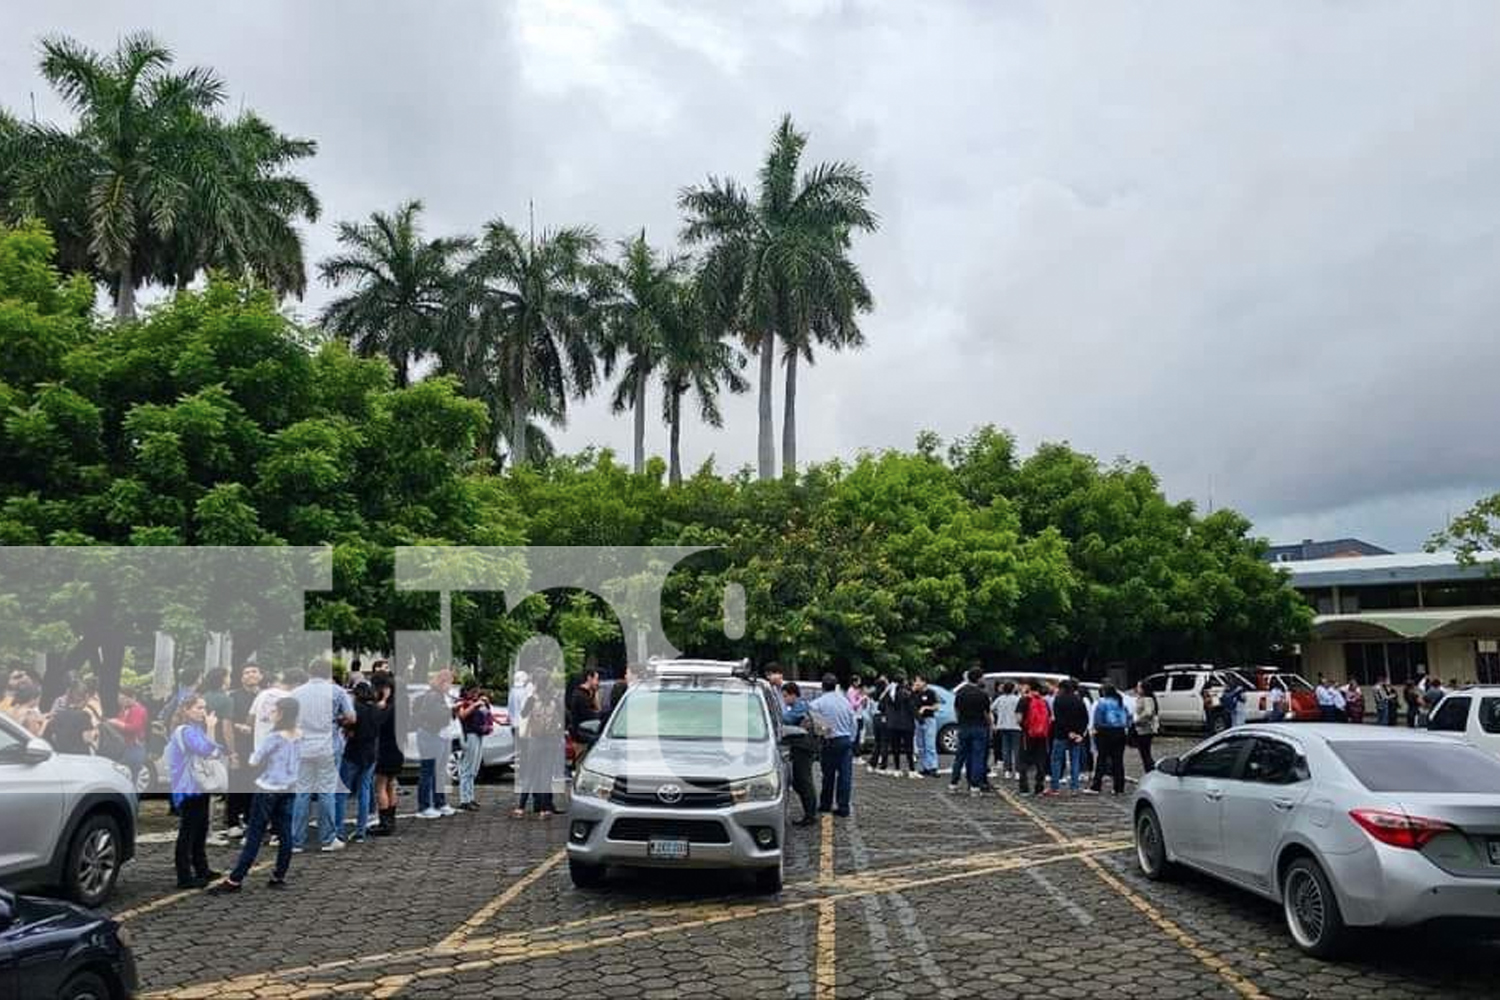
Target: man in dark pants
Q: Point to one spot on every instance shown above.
(241, 776)
(833, 711)
(877, 719)
(794, 713)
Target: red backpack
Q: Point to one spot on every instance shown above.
(1038, 724)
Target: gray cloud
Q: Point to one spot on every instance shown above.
(1252, 246)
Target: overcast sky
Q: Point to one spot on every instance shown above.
(1256, 246)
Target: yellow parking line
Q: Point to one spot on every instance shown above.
(167, 900)
(1243, 986)
(494, 906)
(824, 976)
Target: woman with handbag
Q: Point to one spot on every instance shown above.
(1146, 725)
(195, 764)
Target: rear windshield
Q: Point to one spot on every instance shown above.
(1400, 766)
(691, 714)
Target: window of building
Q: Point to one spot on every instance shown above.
(1483, 592)
(1320, 599)
(1368, 662)
(1393, 597)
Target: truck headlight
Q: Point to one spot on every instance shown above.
(758, 788)
(593, 783)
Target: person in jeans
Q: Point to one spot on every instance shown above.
(1007, 726)
(1148, 723)
(474, 716)
(1070, 726)
(277, 756)
(1111, 720)
(877, 723)
(794, 713)
(972, 707)
(838, 748)
(1036, 736)
(131, 722)
(191, 724)
(325, 707)
(926, 701)
(431, 713)
(357, 767)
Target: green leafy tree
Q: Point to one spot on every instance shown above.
(777, 267)
(534, 305)
(402, 287)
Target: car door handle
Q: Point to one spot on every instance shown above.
(1213, 794)
(1283, 805)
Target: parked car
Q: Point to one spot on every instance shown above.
(1472, 713)
(66, 820)
(1302, 699)
(995, 680)
(1091, 691)
(1344, 826)
(499, 745)
(687, 772)
(1187, 696)
(947, 720)
(51, 949)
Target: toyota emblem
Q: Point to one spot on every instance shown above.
(669, 794)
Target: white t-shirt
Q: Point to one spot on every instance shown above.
(263, 711)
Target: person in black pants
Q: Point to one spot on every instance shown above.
(190, 728)
(794, 713)
(1036, 726)
(878, 727)
(900, 725)
(1110, 722)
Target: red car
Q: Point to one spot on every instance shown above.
(1302, 702)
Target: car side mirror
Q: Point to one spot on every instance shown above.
(591, 726)
(1169, 765)
(33, 751)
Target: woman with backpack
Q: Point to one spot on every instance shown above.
(1147, 724)
(900, 727)
(191, 754)
(1111, 719)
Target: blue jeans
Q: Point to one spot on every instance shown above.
(320, 775)
(838, 775)
(428, 796)
(1073, 752)
(468, 766)
(973, 752)
(267, 809)
(1009, 745)
(360, 780)
(927, 759)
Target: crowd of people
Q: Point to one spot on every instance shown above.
(1418, 697)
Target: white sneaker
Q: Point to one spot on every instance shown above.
(428, 813)
(217, 840)
(870, 768)
(913, 774)
(953, 788)
(372, 822)
(332, 846)
(447, 811)
(973, 792)
(235, 832)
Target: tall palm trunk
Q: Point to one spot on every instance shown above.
(765, 437)
(674, 467)
(640, 423)
(789, 419)
(518, 419)
(125, 293)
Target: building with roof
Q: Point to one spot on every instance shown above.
(1338, 548)
(1402, 615)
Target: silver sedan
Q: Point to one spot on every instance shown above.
(1344, 825)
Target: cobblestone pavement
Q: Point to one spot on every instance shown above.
(921, 893)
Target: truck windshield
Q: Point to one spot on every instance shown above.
(694, 714)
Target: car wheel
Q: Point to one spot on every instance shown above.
(1312, 911)
(94, 859)
(1218, 723)
(145, 778)
(455, 759)
(1151, 846)
(85, 986)
(585, 875)
(768, 880)
(947, 739)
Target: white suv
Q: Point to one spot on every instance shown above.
(66, 820)
(1473, 713)
(1187, 696)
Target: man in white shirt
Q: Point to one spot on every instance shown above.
(325, 707)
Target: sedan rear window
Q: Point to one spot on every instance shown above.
(1401, 766)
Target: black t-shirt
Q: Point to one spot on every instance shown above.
(65, 731)
(364, 739)
(926, 701)
(971, 705)
(899, 715)
(1070, 715)
(240, 701)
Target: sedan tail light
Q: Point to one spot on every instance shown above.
(1399, 829)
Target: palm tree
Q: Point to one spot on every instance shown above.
(778, 264)
(128, 172)
(242, 218)
(535, 306)
(403, 286)
(694, 358)
(643, 288)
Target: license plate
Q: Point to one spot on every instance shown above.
(1495, 851)
(676, 848)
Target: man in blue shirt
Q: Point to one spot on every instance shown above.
(324, 707)
(794, 713)
(832, 709)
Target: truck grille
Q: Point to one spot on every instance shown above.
(697, 831)
(708, 793)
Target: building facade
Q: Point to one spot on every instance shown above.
(1402, 616)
